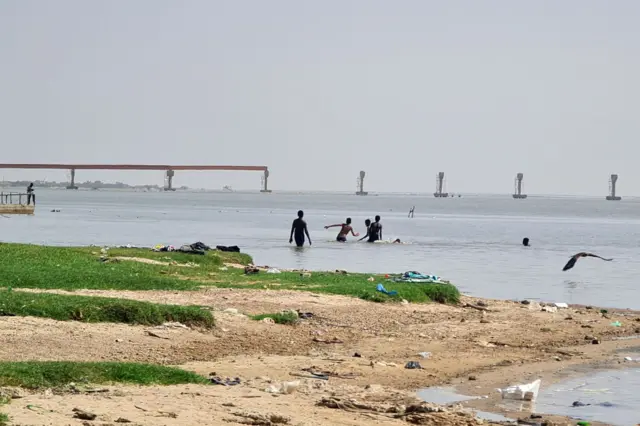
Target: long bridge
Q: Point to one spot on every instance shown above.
(168, 169)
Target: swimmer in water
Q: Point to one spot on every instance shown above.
(345, 228)
(375, 230)
(367, 223)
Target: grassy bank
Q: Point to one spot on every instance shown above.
(69, 268)
(56, 374)
(66, 268)
(99, 309)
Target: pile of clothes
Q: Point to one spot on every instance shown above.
(195, 248)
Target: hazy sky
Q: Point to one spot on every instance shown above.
(319, 90)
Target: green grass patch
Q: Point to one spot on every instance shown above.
(33, 266)
(100, 309)
(4, 418)
(280, 318)
(67, 268)
(50, 374)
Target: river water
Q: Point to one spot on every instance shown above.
(474, 241)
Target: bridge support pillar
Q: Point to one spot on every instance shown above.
(265, 182)
(168, 180)
(72, 181)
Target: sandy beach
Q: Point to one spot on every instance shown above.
(477, 346)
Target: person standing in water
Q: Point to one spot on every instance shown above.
(344, 230)
(299, 230)
(375, 231)
(30, 194)
(367, 223)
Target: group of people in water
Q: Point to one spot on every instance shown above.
(299, 230)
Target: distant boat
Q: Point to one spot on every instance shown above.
(227, 188)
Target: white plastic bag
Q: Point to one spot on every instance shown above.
(526, 392)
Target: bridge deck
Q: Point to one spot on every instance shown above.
(130, 167)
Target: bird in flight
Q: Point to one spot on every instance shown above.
(571, 263)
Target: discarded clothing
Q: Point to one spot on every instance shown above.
(200, 246)
(233, 249)
(226, 382)
(248, 270)
(413, 365)
(161, 247)
(190, 250)
(381, 289)
(417, 277)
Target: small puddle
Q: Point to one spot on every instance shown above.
(635, 336)
(444, 396)
(613, 398)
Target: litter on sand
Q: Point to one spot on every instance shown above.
(381, 289)
(526, 392)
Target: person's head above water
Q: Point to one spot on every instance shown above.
(300, 214)
(367, 222)
(348, 221)
(525, 242)
(377, 218)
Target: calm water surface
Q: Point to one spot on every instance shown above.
(474, 241)
(613, 398)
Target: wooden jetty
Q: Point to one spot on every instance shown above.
(15, 203)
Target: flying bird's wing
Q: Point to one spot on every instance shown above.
(571, 263)
(599, 257)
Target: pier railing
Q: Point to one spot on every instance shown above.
(12, 197)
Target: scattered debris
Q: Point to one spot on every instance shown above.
(12, 393)
(284, 388)
(413, 365)
(83, 415)
(318, 376)
(525, 392)
(262, 419)
(479, 308)
(169, 414)
(173, 324)
(304, 315)
(152, 334)
(226, 382)
(334, 340)
(249, 270)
